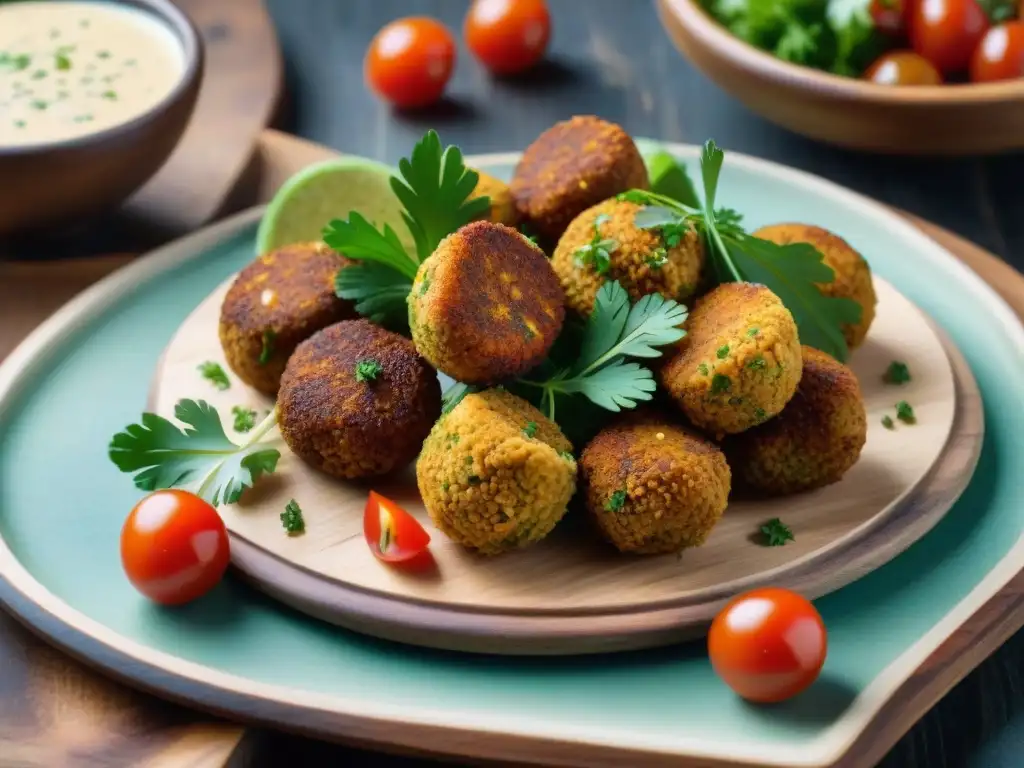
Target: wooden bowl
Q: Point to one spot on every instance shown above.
(50, 183)
(921, 120)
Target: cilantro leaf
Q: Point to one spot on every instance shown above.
(435, 189)
(214, 373)
(669, 177)
(244, 418)
(367, 370)
(597, 254)
(165, 456)
(379, 293)
(292, 518)
(358, 239)
(776, 533)
(616, 386)
(999, 11)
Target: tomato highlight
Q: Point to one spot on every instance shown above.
(768, 645)
(174, 547)
(393, 535)
(946, 32)
(903, 68)
(1000, 54)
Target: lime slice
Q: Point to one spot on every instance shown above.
(330, 190)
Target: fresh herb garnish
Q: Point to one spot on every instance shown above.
(109, 95)
(103, 54)
(597, 254)
(267, 350)
(164, 456)
(245, 418)
(62, 62)
(720, 383)
(668, 177)
(776, 533)
(888, 423)
(214, 374)
(896, 373)
(368, 370)
(657, 259)
(15, 62)
(905, 413)
(454, 394)
(530, 429)
(999, 11)
(292, 519)
(616, 501)
(793, 272)
(722, 352)
(434, 185)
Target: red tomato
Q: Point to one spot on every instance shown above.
(1000, 54)
(174, 547)
(392, 533)
(507, 36)
(891, 16)
(410, 61)
(768, 645)
(903, 68)
(946, 32)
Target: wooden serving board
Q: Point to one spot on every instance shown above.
(571, 593)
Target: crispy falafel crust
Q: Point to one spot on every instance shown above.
(739, 363)
(814, 441)
(630, 262)
(486, 306)
(486, 483)
(349, 428)
(503, 207)
(676, 485)
(852, 272)
(573, 165)
(288, 293)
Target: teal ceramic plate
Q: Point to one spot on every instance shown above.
(84, 374)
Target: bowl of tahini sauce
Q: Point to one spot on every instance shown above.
(94, 97)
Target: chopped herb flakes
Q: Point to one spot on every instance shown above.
(888, 423)
(368, 370)
(530, 429)
(214, 374)
(244, 418)
(757, 363)
(753, 332)
(720, 383)
(896, 373)
(905, 413)
(703, 369)
(597, 253)
(268, 346)
(292, 519)
(776, 533)
(723, 352)
(657, 260)
(616, 501)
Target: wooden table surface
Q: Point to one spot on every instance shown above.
(608, 57)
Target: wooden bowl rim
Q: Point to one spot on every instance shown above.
(716, 38)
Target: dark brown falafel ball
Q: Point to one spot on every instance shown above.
(357, 401)
(277, 301)
(573, 165)
(814, 441)
(486, 306)
(653, 487)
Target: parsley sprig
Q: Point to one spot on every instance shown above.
(597, 254)
(793, 271)
(435, 187)
(199, 456)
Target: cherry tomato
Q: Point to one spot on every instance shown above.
(903, 68)
(768, 644)
(507, 36)
(392, 533)
(891, 16)
(1000, 54)
(946, 32)
(174, 547)
(410, 61)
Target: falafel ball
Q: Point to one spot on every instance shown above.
(486, 305)
(357, 401)
(852, 272)
(277, 301)
(739, 362)
(653, 487)
(813, 442)
(573, 165)
(495, 474)
(503, 208)
(639, 259)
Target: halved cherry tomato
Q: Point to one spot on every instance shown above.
(891, 16)
(903, 68)
(507, 36)
(392, 533)
(1000, 54)
(410, 61)
(174, 547)
(768, 644)
(946, 32)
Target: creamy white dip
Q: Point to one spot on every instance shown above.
(68, 69)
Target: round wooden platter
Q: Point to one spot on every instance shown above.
(572, 593)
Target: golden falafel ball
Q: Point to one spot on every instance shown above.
(653, 487)
(277, 301)
(739, 363)
(639, 259)
(495, 474)
(813, 442)
(486, 306)
(853, 274)
(573, 165)
(503, 207)
(357, 401)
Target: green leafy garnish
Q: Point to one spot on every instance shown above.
(616, 501)
(15, 62)
(776, 533)
(597, 254)
(793, 272)
(292, 519)
(245, 418)
(214, 374)
(888, 423)
(657, 259)
(368, 370)
(999, 11)
(62, 62)
(454, 394)
(896, 373)
(668, 177)
(267, 350)
(164, 456)
(530, 429)
(905, 413)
